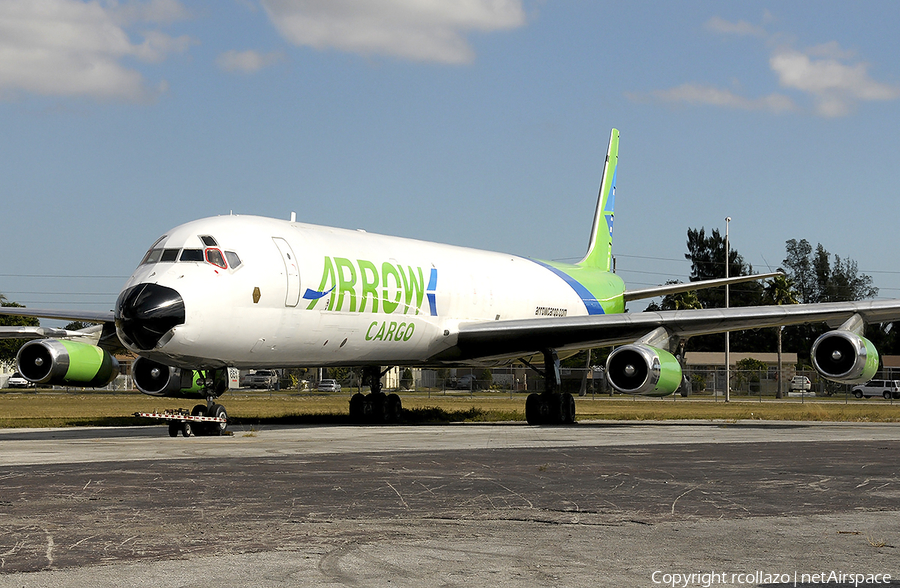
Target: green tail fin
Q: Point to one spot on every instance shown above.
(599, 253)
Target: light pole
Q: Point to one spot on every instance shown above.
(727, 333)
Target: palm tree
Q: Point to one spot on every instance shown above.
(780, 290)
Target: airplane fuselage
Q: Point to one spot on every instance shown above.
(261, 292)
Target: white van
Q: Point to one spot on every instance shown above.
(885, 388)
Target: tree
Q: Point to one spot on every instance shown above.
(681, 301)
(748, 370)
(817, 279)
(406, 379)
(706, 252)
(707, 257)
(780, 290)
(10, 347)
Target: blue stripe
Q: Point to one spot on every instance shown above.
(311, 294)
(590, 303)
(432, 286)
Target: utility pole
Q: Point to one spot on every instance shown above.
(727, 333)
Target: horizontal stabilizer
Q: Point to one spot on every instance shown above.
(667, 289)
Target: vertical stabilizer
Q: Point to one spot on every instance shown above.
(599, 253)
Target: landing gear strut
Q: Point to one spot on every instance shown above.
(213, 387)
(550, 407)
(376, 406)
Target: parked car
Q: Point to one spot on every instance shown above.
(264, 379)
(329, 386)
(885, 388)
(800, 386)
(466, 382)
(17, 381)
(800, 383)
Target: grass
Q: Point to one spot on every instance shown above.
(61, 409)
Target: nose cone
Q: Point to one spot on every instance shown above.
(146, 312)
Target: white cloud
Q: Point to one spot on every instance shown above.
(719, 25)
(156, 11)
(828, 75)
(418, 30)
(835, 87)
(75, 48)
(247, 61)
(699, 94)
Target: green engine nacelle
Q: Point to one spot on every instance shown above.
(54, 362)
(644, 370)
(159, 379)
(845, 357)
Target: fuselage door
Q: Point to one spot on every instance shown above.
(292, 272)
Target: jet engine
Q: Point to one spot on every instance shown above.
(845, 357)
(54, 362)
(157, 379)
(644, 370)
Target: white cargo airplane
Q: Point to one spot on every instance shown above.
(252, 292)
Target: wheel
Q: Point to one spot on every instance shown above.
(392, 408)
(378, 403)
(218, 411)
(199, 428)
(186, 429)
(887, 395)
(532, 409)
(858, 394)
(567, 409)
(357, 408)
(174, 427)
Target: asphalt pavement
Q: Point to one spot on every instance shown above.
(595, 504)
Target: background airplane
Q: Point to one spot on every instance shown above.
(253, 292)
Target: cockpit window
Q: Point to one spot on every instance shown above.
(152, 256)
(153, 252)
(215, 257)
(209, 241)
(192, 255)
(233, 259)
(169, 255)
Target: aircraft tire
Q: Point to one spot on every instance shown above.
(199, 429)
(393, 407)
(567, 409)
(357, 408)
(533, 409)
(378, 402)
(218, 411)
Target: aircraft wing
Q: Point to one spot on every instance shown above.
(88, 316)
(497, 339)
(44, 333)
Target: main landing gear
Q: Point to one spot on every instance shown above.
(376, 406)
(550, 407)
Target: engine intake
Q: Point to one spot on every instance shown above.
(53, 362)
(157, 379)
(845, 357)
(643, 370)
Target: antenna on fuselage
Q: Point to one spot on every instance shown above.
(293, 217)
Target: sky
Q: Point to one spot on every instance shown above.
(481, 123)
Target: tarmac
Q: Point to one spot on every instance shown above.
(751, 503)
